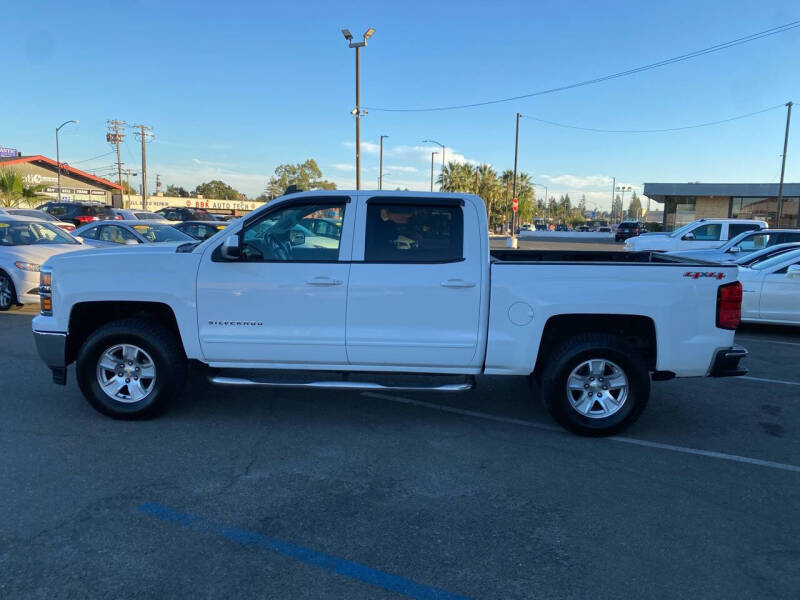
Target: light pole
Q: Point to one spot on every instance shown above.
(380, 179)
(432, 155)
(443, 155)
(356, 112)
(514, 187)
(58, 154)
(622, 189)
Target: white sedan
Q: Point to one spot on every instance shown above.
(771, 290)
(24, 245)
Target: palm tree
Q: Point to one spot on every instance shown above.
(32, 194)
(11, 187)
(457, 177)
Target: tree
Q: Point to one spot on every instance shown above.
(128, 189)
(305, 176)
(635, 208)
(582, 205)
(32, 194)
(456, 177)
(616, 206)
(11, 186)
(219, 190)
(176, 192)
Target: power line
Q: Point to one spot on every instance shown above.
(716, 48)
(707, 124)
(75, 162)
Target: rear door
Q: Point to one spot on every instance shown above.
(415, 295)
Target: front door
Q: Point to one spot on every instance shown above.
(780, 296)
(415, 299)
(284, 301)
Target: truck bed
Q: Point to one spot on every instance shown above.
(584, 256)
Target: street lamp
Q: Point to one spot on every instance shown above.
(443, 156)
(622, 189)
(432, 155)
(356, 112)
(58, 154)
(380, 179)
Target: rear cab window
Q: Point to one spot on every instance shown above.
(409, 231)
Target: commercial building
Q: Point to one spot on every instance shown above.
(76, 185)
(686, 202)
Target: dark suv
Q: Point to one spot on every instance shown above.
(628, 229)
(185, 214)
(79, 213)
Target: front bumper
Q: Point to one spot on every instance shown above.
(52, 349)
(26, 284)
(726, 362)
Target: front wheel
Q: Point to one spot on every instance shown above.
(131, 369)
(595, 385)
(8, 295)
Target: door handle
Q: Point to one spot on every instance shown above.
(457, 283)
(324, 282)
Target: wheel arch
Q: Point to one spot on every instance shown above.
(86, 317)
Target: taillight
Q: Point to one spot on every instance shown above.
(67, 227)
(729, 305)
(85, 218)
(118, 217)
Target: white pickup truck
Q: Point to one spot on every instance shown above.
(698, 235)
(393, 290)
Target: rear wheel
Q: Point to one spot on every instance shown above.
(131, 369)
(8, 295)
(595, 385)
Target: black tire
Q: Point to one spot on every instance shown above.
(5, 280)
(167, 355)
(572, 353)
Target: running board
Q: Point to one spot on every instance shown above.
(340, 385)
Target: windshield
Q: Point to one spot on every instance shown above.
(27, 233)
(681, 231)
(23, 212)
(148, 215)
(161, 233)
(768, 263)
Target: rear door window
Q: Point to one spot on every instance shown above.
(708, 233)
(735, 229)
(410, 232)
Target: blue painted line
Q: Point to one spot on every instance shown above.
(354, 570)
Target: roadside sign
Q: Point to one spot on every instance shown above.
(515, 204)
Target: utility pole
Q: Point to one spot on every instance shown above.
(514, 185)
(115, 135)
(380, 179)
(356, 112)
(158, 184)
(613, 189)
(783, 166)
(144, 134)
(128, 173)
(432, 155)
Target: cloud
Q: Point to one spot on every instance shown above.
(596, 188)
(400, 169)
(343, 167)
(579, 181)
(366, 147)
(197, 171)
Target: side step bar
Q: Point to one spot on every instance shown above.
(340, 385)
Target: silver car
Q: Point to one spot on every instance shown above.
(111, 233)
(744, 243)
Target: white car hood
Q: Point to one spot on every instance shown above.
(657, 241)
(37, 254)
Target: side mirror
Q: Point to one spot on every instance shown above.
(735, 250)
(296, 238)
(131, 243)
(79, 238)
(688, 237)
(231, 248)
(793, 272)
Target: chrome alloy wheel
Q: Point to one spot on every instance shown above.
(597, 388)
(6, 295)
(126, 373)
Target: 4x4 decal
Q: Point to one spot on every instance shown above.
(699, 274)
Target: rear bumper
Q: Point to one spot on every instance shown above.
(52, 349)
(726, 362)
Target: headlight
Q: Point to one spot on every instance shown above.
(25, 266)
(46, 293)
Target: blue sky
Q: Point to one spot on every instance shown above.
(233, 89)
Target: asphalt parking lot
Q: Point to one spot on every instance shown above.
(297, 494)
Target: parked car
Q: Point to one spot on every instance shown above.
(765, 253)
(698, 235)
(38, 214)
(200, 230)
(130, 232)
(604, 229)
(25, 243)
(742, 244)
(584, 228)
(562, 227)
(629, 229)
(261, 297)
(79, 213)
(138, 215)
(771, 290)
(185, 214)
